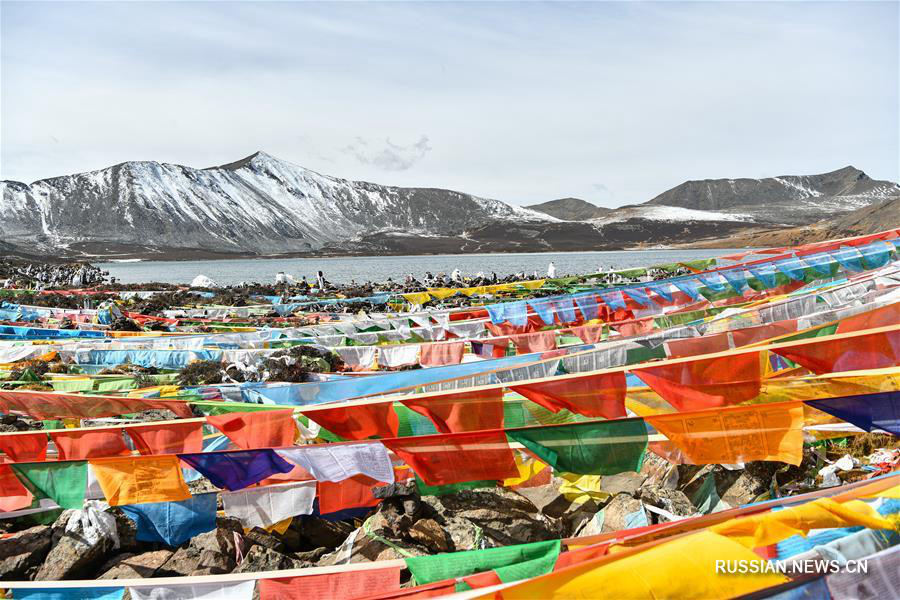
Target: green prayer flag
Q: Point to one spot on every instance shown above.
(632, 273)
(594, 448)
(451, 488)
(62, 482)
(512, 563)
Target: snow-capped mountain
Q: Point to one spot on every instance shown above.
(259, 205)
(787, 199)
(263, 205)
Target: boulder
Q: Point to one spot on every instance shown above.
(76, 551)
(261, 558)
(135, 566)
(739, 487)
(212, 552)
(673, 501)
(621, 511)
(23, 552)
(430, 534)
(501, 516)
(623, 483)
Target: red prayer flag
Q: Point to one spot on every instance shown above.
(636, 327)
(358, 422)
(25, 447)
(260, 429)
(880, 317)
(871, 351)
(752, 335)
(694, 346)
(601, 395)
(168, 438)
(540, 341)
(435, 355)
(466, 411)
(79, 445)
(345, 585)
(354, 492)
(589, 334)
(456, 457)
(705, 383)
(13, 495)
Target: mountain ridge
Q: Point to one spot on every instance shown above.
(263, 205)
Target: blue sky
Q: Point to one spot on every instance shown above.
(524, 102)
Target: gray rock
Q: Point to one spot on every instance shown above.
(673, 501)
(622, 483)
(260, 558)
(22, 553)
(73, 557)
(615, 513)
(135, 566)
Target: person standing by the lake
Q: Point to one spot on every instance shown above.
(551, 270)
(320, 280)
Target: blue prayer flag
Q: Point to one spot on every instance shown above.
(173, 523)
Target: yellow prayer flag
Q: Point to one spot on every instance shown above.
(772, 527)
(683, 568)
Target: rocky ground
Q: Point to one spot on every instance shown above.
(407, 524)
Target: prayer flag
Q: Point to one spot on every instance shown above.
(601, 395)
(466, 411)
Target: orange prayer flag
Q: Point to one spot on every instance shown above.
(25, 447)
(79, 445)
(736, 434)
(54, 405)
(705, 383)
(259, 429)
(140, 479)
(456, 457)
(358, 422)
(601, 395)
(466, 411)
(872, 351)
(168, 438)
(13, 495)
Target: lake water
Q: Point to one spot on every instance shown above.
(379, 268)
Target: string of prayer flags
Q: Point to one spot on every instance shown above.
(173, 523)
(62, 482)
(168, 438)
(138, 479)
(260, 429)
(466, 411)
(594, 448)
(867, 411)
(360, 423)
(601, 395)
(736, 434)
(235, 470)
(705, 383)
(457, 457)
(54, 405)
